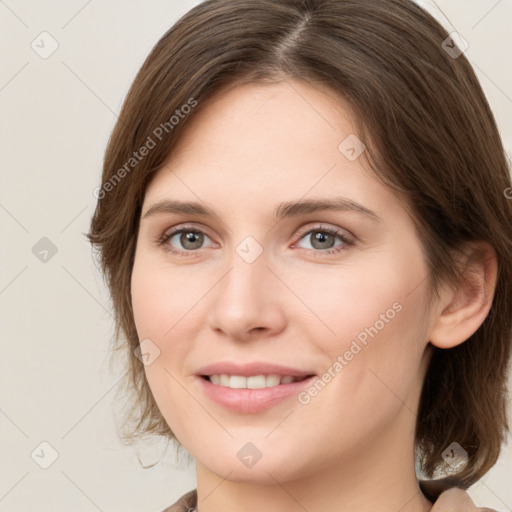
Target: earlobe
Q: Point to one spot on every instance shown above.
(462, 309)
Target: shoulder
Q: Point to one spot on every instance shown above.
(457, 500)
(451, 498)
(187, 503)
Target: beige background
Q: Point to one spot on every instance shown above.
(56, 116)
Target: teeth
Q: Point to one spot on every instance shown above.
(272, 380)
(256, 382)
(237, 381)
(253, 382)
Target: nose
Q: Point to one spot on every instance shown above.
(248, 300)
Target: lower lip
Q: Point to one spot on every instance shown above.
(250, 401)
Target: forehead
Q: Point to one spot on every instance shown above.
(254, 146)
(290, 110)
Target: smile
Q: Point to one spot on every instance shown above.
(252, 382)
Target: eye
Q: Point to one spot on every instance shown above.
(189, 238)
(322, 238)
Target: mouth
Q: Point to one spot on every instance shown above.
(254, 381)
(251, 387)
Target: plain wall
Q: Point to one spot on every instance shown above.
(56, 116)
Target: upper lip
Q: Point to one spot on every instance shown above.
(250, 369)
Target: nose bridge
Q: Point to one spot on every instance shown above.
(245, 297)
(247, 275)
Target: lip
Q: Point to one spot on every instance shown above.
(251, 401)
(251, 369)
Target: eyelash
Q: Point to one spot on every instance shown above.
(347, 241)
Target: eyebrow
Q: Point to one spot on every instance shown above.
(286, 209)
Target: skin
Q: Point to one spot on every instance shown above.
(351, 446)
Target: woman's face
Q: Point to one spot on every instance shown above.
(245, 287)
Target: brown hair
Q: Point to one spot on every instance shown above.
(430, 135)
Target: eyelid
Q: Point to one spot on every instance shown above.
(335, 230)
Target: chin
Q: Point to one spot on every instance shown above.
(263, 472)
(253, 476)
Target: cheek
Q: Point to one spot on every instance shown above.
(368, 378)
(373, 329)
(370, 300)
(163, 308)
(163, 299)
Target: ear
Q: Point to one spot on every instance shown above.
(463, 308)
